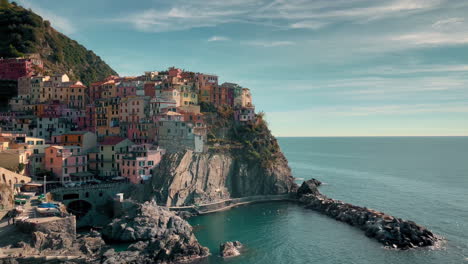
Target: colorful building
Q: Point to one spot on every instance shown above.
(15, 68)
(109, 148)
(84, 139)
(138, 164)
(107, 117)
(63, 161)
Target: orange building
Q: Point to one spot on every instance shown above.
(206, 84)
(84, 139)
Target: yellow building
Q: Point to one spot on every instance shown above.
(188, 96)
(107, 117)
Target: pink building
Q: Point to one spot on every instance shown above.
(174, 72)
(66, 161)
(142, 132)
(139, 163)
(133, 109)
(13, 69)
(159, 105)
(245, 114)
(125, 89)
(150, 89)
(53, 109)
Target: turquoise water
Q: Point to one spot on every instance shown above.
(422, 179)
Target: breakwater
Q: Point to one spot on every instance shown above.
(388, 230)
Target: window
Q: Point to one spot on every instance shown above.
(51, 161)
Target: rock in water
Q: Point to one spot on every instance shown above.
(309, 187)
(388, 230)
(230, 249)
(161, 236)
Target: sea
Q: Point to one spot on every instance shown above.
(424, 179)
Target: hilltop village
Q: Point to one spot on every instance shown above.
(116, 129)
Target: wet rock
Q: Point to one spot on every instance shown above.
(161, 236)
(386, 229)
(309, 187)
(92, 245)
(184, 214)
(230, 249)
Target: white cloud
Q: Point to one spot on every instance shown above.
(268, 44)
(372, 110)
(412, 69)
(448, 23)
(218, 38)
(433, 38)
(59, 22)
(184, 14)
(308, 25)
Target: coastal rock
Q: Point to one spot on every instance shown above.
(161, 236)
(309, 187)
(230, 249)
(388, 230)
(186, 178)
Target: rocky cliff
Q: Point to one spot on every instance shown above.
(159, 235)
(187, 178)
(6, 196)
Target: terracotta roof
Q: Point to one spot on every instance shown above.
(112, 140)
(77, 86)
(171, 113)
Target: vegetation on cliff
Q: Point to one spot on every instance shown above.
(24, 32)
(251, 140)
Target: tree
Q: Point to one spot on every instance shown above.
(4, 4)
(13, 52)
(21, 167)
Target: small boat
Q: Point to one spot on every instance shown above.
(19, 209)
(47, 211)
(20, 201)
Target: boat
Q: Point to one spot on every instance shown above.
(47, 211)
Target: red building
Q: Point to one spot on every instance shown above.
(150, 89)
(12, 69)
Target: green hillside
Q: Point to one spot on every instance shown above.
(24, 32)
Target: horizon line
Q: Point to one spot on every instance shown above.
(362, 136)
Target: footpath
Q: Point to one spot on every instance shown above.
(229, 203)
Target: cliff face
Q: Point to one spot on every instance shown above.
(187, 178)
(6, 196)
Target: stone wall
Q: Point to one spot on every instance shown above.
(99, 196)
(49, 225)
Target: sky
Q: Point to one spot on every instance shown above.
(315, 67)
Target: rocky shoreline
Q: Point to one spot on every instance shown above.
(388, 230)
(158, 235)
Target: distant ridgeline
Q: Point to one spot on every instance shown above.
(22, 32)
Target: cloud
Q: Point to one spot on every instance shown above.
(184, 14)
(308, 25)
(379, 110)
(368, 10)
(413, 69)
(448, 23)
(269, 44)
(218, 38)
(432, 38)
(60, 23)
